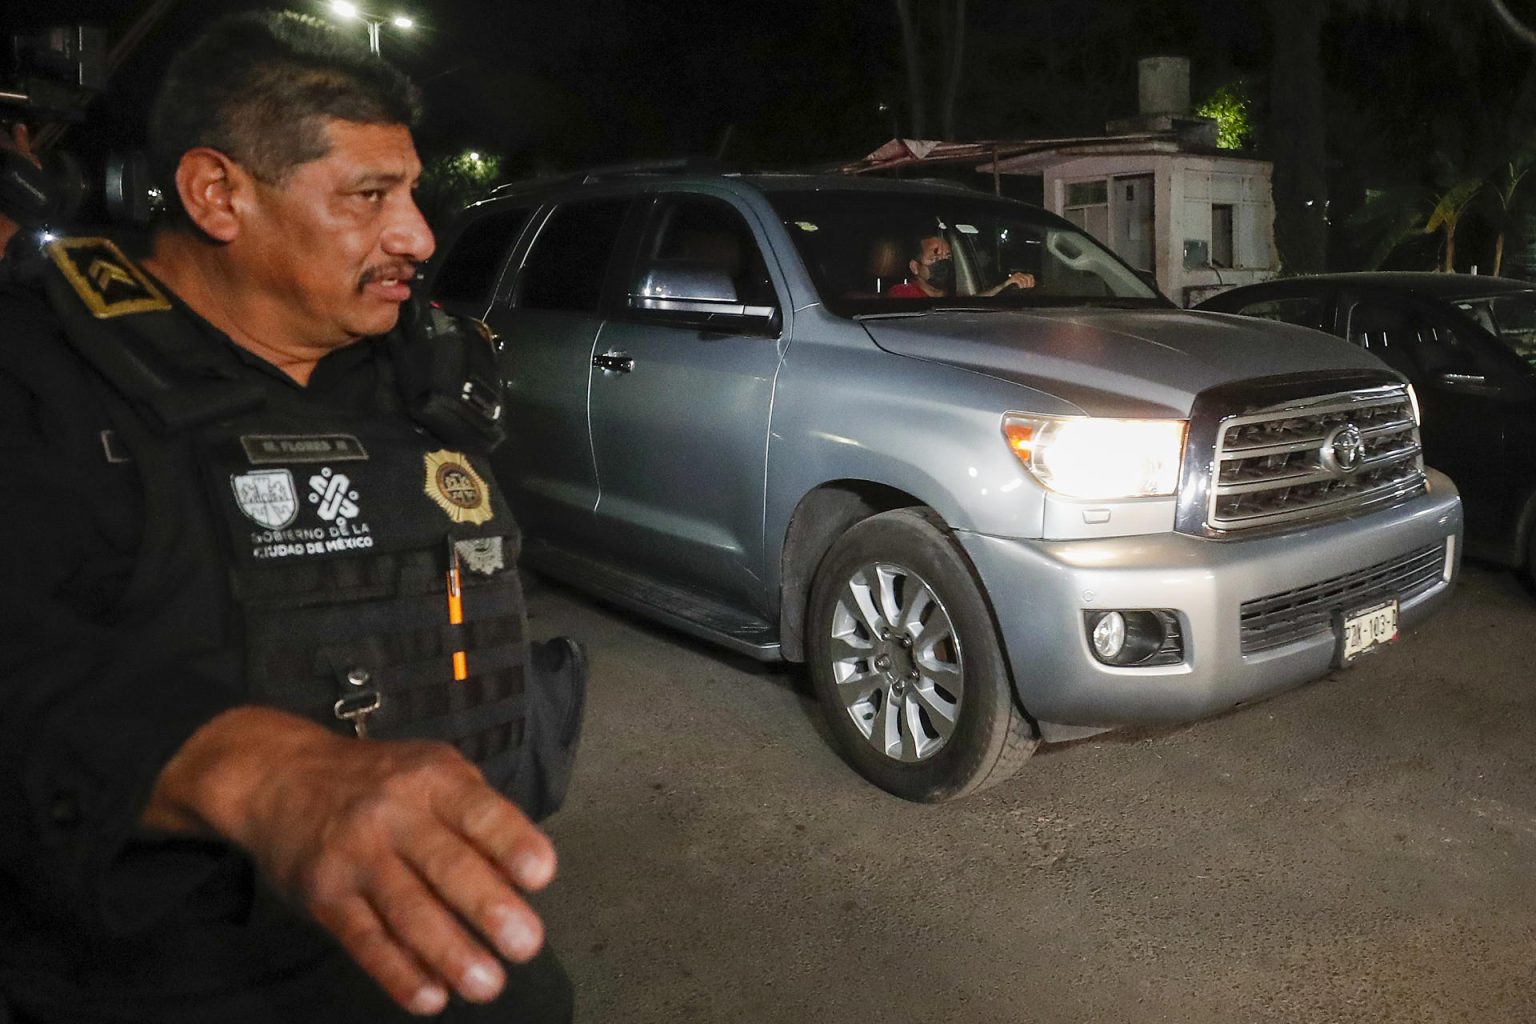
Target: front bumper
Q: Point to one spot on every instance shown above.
(1040, 589)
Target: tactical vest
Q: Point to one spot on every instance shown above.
(365, 563)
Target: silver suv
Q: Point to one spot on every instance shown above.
(1014, 499)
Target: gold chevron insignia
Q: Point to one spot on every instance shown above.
(104, 273)
(107, 281)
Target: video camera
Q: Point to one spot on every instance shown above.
(55, 75)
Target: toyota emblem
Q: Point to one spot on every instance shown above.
(1344, 450)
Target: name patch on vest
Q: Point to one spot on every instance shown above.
(262, 449)
(456, 488)
(107, 281)
(270, 498)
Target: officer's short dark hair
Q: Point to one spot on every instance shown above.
(258, 88)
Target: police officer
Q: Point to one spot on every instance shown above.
(271, 741)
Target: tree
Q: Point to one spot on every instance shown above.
(1506, 190)
(1298, 134)
(451, 182)
(945, 19)
(1299, 108)
(1446, 215)
(1228, 107)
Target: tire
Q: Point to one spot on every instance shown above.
(926, 712)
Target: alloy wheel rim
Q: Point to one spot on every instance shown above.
(896, 662)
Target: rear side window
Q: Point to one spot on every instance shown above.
(469, 271)
(1304, 310)
(570, 258)
(1408, 340)
(709, 233)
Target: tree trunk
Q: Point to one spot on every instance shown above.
(1298, 134)
(955, 70)
(1498, 254)
(914, 54)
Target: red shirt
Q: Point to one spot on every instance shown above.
(906, 290)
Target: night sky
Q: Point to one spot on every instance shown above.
(552, 85)
(1418, 89)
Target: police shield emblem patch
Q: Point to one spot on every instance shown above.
(456, 488)
(267, 497)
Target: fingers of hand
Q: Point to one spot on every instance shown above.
(473, 886)
(420, 920)
(506, 836)
(363, 935)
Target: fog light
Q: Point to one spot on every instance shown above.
(1135, 637)
(1109, 636)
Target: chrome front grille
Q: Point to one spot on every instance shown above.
(1315, 459)
(1306, 611)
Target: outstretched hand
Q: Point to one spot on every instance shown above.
(398, 849)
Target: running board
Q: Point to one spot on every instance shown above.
(682, 610)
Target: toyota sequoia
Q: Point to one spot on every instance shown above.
(946, 450)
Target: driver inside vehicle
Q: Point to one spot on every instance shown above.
(932, 273)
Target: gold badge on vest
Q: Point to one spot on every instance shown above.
(456, 488)
(107, 281)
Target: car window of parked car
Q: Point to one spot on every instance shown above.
(692, 234)
(569, 260)
(858, 245)
(469, 271)
(1509, 318)
(1409, 339)
(1303, 310)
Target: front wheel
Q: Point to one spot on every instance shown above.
(906, 662)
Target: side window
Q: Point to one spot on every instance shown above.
(1408, 340)
(469, 270)
(569, 260)
(1303, 310)
(698, 234)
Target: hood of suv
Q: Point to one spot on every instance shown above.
(1115, 362)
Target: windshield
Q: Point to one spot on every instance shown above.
(1509, 318)
(889, 252)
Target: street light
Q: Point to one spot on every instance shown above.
(346, 9)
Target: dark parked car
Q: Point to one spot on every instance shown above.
(1467, 344)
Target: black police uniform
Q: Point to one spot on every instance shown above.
(187, 531)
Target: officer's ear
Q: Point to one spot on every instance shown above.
(208, 182)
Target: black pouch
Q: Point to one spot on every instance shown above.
(557, 700)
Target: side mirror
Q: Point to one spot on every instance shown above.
(695, 290)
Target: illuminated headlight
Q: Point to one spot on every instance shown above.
(1091, 457)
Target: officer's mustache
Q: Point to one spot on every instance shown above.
(402, 271)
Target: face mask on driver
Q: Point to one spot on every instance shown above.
(941, 274)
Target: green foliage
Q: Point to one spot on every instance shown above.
(1229, 107)
(1389, 217)
(451, 182)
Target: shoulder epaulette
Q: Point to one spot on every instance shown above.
(109, 283)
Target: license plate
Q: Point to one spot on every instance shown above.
(1364, 629)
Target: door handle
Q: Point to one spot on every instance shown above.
(614, 362)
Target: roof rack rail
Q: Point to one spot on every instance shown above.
(631, 168)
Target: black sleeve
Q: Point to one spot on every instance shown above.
(88, 714)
